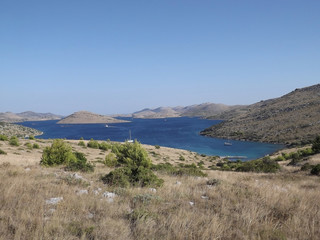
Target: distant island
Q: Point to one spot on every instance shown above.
(291, 119)
(10, 117)
(83, 117)
(197, 110)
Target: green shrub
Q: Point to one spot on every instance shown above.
(14, 141)
(58, 153)
(104, 146)
(29, 145)
(2, 152)
(111, 160)
(136, 170)
(315, 170)
(306, 167)
(81, 139)
(279, 159)
(157, 146)
(36, 146)
(3, 137)
(79, 163)
(316, 145)
(31, 137)
(132, 155)
(81, 143)
(181, 158)
(119, 177)
(181, 170)
(260, 165)
(93, 144)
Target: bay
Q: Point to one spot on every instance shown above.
(182, 133)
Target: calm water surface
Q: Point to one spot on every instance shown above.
(180, 133)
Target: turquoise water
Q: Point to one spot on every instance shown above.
(180, 133)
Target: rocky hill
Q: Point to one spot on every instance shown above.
(199, 110)
(291, 119)
(88, 117)
(27, 116)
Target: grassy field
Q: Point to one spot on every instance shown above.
(223, 205)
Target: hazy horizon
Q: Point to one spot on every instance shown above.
(121, 57)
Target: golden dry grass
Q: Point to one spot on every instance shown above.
(243, 206)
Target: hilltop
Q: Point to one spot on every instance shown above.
(83, 117)
(290, 119)
(197, 110)
(27, 116)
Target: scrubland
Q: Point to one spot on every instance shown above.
(223, 205)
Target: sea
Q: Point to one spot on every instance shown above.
(181, 133)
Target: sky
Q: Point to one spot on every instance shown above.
(122, 56)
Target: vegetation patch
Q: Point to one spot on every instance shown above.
(136, 167)
(180, 170)
(3, 137)
(14, 141)
(60, 153)
(3, 152)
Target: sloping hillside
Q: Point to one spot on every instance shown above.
(198, 110)
(88, 117)
(292, 119)
(27, 116)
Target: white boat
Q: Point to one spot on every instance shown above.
(107, 125)
(130, 140)
(228, 143)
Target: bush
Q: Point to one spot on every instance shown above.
(119, 177)
(31, 137)
(79, 163)
(104, 146)
(306, 167)
(93, 144)
(36, 146)
(279, 159)
(157, 146)
(181, 170)
(260, 165)
(181, 158)
(136, 170)
(316, 145)
(2, 152)
(3, 137)
(14, 141)
(29, 146)
(59, 153)
(111, 160)
(81, 143)
(315, 170)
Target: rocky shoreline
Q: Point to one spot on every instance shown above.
(10, 129)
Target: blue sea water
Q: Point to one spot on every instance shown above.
(180, 133)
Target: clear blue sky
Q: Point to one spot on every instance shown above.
(121, 56)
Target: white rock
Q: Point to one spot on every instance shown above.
(83, 191)
(108, 194)
(27, 169)
(76, 176)
(153, 190)
(204, 197)
(191, 203)
(54, 200)
(178, 183)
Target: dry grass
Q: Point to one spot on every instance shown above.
(243, 206)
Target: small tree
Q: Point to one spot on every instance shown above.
(14, 141)
(316, 145)
(59, 153)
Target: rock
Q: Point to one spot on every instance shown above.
(27, 169)
(178, 183)
(204, 197)
(76, 176)
(191, 203)
(108, 194)
(90, 215)
(54, 200)
(83, 191)
(153, 190)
